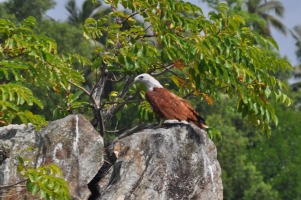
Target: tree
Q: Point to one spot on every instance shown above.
(227, 57)
(278, 157)
(263, 11)
(22, 9)
(296, 33)
(89, 9)
(258, 13)
(29, 59)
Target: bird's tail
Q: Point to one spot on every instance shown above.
(201, 122)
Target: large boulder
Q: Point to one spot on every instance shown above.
(177, 161)
(71, 143)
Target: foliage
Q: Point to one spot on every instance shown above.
(259, 14)
(69, 39)
(46, 180)
(254, 166)
(297, 36)
(89, 9)
(241, 177)
(28, 58)
(278, 157)
(23, 9)
(227, 57)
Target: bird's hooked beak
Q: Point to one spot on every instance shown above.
(138, 78)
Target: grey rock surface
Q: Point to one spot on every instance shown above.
(71, 143)
(177, 161)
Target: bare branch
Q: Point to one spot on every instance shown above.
(148, 27)
(126, 86)
(132, 15)
(99, 87)
(118, 19)
(117, 107)
(174, 73)
(101, 124)
(12, 185)
(115, 79)
(166, 69)
(115, 131)
(121, 102)
(80, 87)
(188, 95)
(148, 36)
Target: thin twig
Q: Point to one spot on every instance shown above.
(12, 185)
(86, 92)
(117, 107)
(121, 102)
(166, 69)
(98, 88)
(148, 27)
(132, 15)
(188, 95)
(80, 87)
(174, 73)
(126, 86)
(148, 36)
(115, 131)
(115, 80)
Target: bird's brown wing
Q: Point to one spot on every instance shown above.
(168, 105)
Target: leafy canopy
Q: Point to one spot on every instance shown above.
(206, 57)
(29, 59)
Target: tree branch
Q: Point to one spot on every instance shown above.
(126, 86)
(86, 92)
(121, 102)
(99, 87)
(80, 87)
(148, 36)
(12, 185)
(188, 95)
(165, 69)
(148, 27)
(117, 107)
(132, 15)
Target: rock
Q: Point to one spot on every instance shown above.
(71, 143)
(174, 162)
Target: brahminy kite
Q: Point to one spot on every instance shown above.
(168, 105)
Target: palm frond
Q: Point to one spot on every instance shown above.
(72, 10)
(88, 9)
(296, 33)
(272, 5)
(275, 22)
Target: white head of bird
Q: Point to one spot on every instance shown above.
(149, 81)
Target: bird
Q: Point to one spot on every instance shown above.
(167, 104)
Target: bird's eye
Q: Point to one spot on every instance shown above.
(141, 77)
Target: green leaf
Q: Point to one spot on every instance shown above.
(35, 189)
(30, 185)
